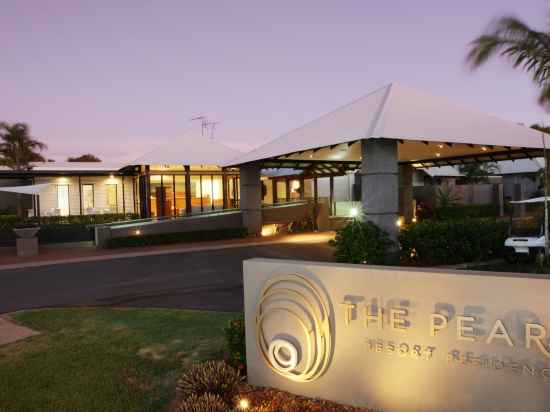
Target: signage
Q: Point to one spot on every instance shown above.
(397, 339)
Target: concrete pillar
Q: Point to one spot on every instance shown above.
(102, 235)
(251, 198)
(406, 192)
(380, 184)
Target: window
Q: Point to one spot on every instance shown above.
(112, 203)
(196, 194)
(63, 200)
(180, 195)
(88, 198)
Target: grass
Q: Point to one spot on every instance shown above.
(105, 359)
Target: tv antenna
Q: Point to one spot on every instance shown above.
(207, 127)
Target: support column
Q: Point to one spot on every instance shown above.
(380, 184)
(251, 198)
(406, 207)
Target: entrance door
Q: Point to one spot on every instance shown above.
(63, 199)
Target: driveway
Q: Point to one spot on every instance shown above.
(210, 280)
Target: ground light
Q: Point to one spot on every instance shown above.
(244, 404)
(353, 212)
(399, 222)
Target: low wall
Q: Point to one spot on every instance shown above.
(214, 221)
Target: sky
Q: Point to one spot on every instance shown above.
(118, 78)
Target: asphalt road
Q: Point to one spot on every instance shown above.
(210, 280)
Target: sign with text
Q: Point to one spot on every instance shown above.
(398, 339)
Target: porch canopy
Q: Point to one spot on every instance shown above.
(26, 190)
(431, 131)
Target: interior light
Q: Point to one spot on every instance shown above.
(112, 176)
(440, 146)
(438, 154)
(483, 148)
(244, 404)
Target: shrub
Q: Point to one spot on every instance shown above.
(235, 342)
(466, 211)
(361, 242)
(8, 222)
(212, 377)
(453, 241)
(179, 237)
(203, 403)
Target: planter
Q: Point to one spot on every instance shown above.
(27, 241)
(26, 232)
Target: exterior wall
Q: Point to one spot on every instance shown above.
(48, 198)
(519, 187)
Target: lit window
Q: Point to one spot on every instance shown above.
(112, 198)
(87, 197)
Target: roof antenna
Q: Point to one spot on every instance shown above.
(212, 127)
(204, 123)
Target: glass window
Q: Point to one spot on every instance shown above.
(112, 201)
(207, 193)
(217, 192)
(232, 192)
(62, 200)
(196, 194)
(168, 208)
(155, 196)
(281, 190)
(88, 198)
(180, 195)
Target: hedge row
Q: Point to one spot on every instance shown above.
(180, 237)
(453, 241)
(8, 222)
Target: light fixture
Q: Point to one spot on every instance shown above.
(138, 232)
(244, 404)
(438, 154)
(112, 176)
(483, 148)
(399, 222)
(414, 220)
(440, 146)
(353, 212)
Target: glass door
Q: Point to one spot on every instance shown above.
(63, 200)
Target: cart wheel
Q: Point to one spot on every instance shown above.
(510, 255)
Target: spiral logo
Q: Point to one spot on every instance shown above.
(293, 328)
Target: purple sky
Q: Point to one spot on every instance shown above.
(116, 80)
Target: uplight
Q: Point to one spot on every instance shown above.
(244, 404)
(399, 222)
(138, 232)
(353, 212)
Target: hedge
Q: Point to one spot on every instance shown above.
(453, 241)
(8, 222)
(179, 237)
(467, 211)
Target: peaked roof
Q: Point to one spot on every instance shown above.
(190, 150)
(399, 112)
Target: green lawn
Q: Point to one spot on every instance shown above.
(104, 359)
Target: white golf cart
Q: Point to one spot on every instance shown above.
(526, 232)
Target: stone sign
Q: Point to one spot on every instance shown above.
(397, 339)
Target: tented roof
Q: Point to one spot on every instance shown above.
(429, 128)
(26, 190)
(190, 150)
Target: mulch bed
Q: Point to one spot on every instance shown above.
(274, 400)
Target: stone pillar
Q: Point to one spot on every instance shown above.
(406, 207)
(251, 198)
(380, 184)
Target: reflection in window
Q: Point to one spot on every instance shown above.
(112, 203)
(217, 192)
(196, 199)
(88, 198)
(156, 197)
(168, 208)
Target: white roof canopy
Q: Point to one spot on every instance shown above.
(189, 150)
(428, 128)
(26, 190)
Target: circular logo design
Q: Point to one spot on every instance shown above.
(293, 328)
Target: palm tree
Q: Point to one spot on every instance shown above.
(525, 48)
(478, 172)
(18, 149)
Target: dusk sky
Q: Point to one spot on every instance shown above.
(117, 78)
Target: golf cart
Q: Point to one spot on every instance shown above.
(527, 231)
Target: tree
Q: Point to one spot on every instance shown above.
(88, 157)
(18, 149)
(525, 48)
(478, 172)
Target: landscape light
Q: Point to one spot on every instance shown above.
(399, 222)
(353, 212)
(244, 404)
(138, 232)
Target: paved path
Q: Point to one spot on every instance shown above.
(208, 279)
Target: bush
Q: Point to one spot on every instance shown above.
(466, 211)
(8, 222)
(235, 342)
(361, 242)
(202, 403)
(212, 377)
(179, 237)
(453, 241)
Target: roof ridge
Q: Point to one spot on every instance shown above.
(381, 111)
